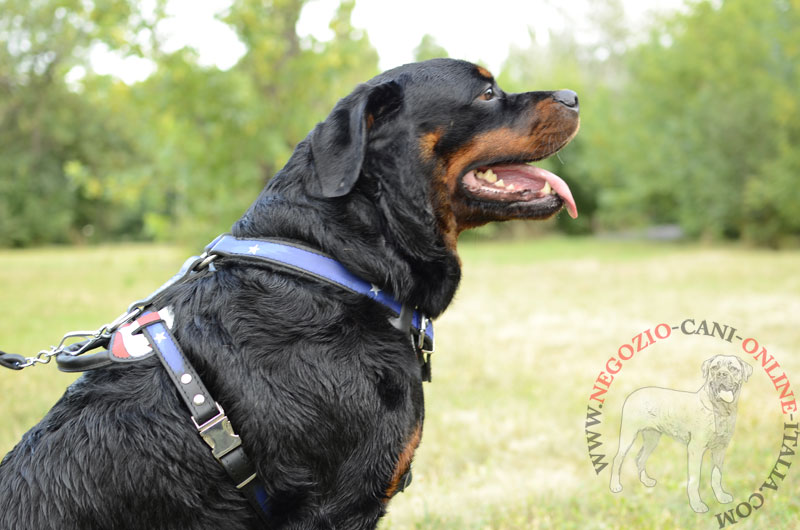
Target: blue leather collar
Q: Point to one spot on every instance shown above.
(311, 262)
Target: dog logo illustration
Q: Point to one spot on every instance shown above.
(702, 420)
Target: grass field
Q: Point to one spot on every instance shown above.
(517, 354)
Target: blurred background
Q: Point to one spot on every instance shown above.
(161, 120)
(132, 133)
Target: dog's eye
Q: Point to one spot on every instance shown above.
(488, 94)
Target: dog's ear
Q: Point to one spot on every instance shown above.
(707, 366)
(338, 144)
(747, 370)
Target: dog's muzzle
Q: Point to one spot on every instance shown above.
(725, 388)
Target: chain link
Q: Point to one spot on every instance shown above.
(90, 339)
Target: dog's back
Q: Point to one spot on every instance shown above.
(115, 452)
(663, 409)
(119, 451)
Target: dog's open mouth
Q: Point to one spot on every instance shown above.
(519, 183)
(727, 391)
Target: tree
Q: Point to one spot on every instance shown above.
(53, 140)
(712, 107)
(428, 48)
(179, 155)
(220, 136)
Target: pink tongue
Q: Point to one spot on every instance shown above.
(537, 173)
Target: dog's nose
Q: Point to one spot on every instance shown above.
(567, 98)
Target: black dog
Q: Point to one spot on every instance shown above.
(325, 392)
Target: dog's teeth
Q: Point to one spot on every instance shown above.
(500, 183)
(547, 190)
(490, 176)
(480, 175)
(510, 187)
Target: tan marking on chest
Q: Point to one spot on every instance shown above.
(404, 461)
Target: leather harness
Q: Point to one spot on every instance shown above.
(149, 332)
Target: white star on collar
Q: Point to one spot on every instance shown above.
(375, 290)
(160, 337)
(253, 250)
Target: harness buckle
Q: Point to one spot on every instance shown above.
(218, 434)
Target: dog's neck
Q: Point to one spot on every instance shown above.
(372, 231)
(724, 412)
(712, 400)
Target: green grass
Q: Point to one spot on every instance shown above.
(45, 293)
(532, 325)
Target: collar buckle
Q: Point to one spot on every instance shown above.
(424, 340)
(424, 346)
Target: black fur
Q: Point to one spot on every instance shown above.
(323, 391)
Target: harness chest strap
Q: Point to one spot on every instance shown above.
(210, 420)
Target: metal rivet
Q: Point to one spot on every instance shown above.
(199, 399)
(186, 379)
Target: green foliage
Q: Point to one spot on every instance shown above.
(221, 135)
(704, 125)
(428, 48)
(183, 152)
(695, 126)
(55, 142)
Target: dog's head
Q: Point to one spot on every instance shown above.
(456, 146)
(724, 376)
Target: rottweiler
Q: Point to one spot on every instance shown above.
(324, 391)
